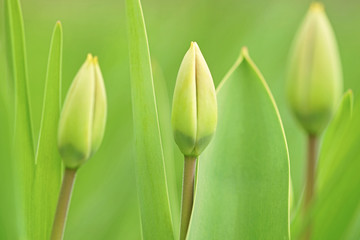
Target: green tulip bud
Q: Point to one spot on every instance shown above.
(194, 109)
(314, 77)
(83, 117)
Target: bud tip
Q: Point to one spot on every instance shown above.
(89, 57)
(193, 44)
(316, 7)
(95, 60)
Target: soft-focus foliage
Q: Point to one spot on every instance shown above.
(151, 185)
(48, 170)
(23, 156)
(105, 192)
(334, 212)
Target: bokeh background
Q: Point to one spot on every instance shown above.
(104, 204)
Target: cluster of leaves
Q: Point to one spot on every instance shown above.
(242, 186)
(37, 171)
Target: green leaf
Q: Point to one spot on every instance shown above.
(149, 161)
(48, 163)
(23, 149)
(336, 206)
(167, 138)
(333, 136)
(243, 176)
(7, 207)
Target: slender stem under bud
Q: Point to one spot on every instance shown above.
(310, 178)
(187, 194)
(63, 204)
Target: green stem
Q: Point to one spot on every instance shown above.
(187, 194)
(63, 204)
(310, 178)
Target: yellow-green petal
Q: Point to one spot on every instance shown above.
(206, 103)
(183, 117)
(100, 109)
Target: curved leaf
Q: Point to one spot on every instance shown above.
(337, 203)
(333, 137)
(149, 160)
(23, 148)
(48, 163)
(167, 139)
(7, 207)
(243, 176)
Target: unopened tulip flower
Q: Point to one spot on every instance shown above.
(81, 129)
(194, 119)
(315, 77)
(82, 120)
(194, 109)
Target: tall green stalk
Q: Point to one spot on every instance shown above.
(187, 194)
(63, 204)
(310, 179)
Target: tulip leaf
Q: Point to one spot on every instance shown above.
(167, 139)
(333, 136)
(243, 176)
(149, 161)
(336, 206)
(48, 163)
(7, 207)
(23, 148)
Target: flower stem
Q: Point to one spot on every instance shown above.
(63, 204)
(310, 178)
(187, 194)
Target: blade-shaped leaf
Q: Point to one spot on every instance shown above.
(7, 208)
(243, 176)
(23, 149)
(327, 170)
(333, 136)
(167, 139)
(149, 162)
(336, 206)
(48, 163)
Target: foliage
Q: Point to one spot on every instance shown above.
(242, 185)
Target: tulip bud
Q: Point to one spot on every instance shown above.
(194, 110)
(83, 117)
(314, 77)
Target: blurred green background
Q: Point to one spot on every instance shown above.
(104, 204)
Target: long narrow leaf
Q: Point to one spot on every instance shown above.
(48, 163)
(149, 162)
(329, 171)
(23, 148)
(333, 137)
(336, 206)
(6, 188)
(164, 113)
(243, 176)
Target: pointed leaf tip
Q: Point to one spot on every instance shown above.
(244, 51)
